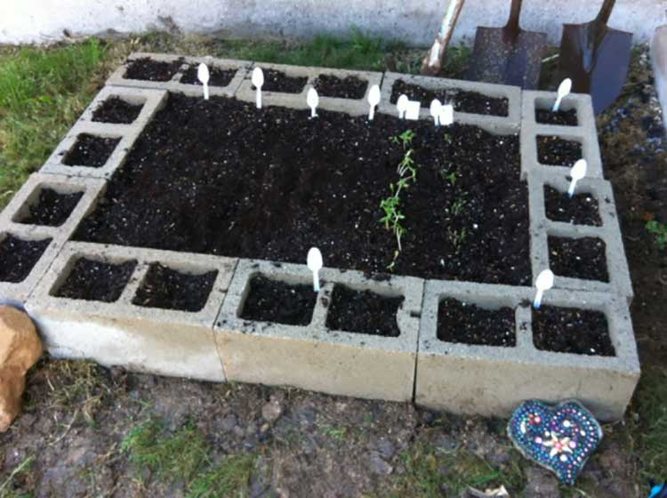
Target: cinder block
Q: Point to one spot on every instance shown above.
(490, 123)
(159, 341)
(585, 132)
(174, 85)
(127, 133)
(492, 381)
(313, 357)
(16, 293)
(610, 232)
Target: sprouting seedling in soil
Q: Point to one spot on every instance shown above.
(543, 282)
(449, 176)
(390, 206)
(407, 164)
(203, 76)
(659, 232)
(457, 237)
(404, 138)
(457, 206)
(577, 172)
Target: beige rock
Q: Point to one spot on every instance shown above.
(20, 348)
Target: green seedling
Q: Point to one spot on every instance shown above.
(457, 237)
(390, 206)
(659, 232)
(457, 206)
(449, 176)
(407, 164)
(404, 138)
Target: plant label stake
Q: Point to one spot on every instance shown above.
(412, 110)
(402, 106)
(314, 262)
(436, 108)
(203, 76)
(447, 115)
(312, 99)
(373, 100)
(258, 80)
(577, 172)
(544, 282)
(564, 90)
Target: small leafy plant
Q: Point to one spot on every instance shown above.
(659, 232)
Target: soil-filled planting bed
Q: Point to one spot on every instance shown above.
(117, 110)
(271, 183)
(18, 256)
(151, 70)
(277, 81)
(350, 87)
(217, 76)
(558, 151)
(166, 288)
(463, 101)
(578, 258)
(279, 302)
(51, 208)
(92, 280)
(363, 311)
(563, 118)
(91, 151)
(580, 209)
(470, 324)
(569, 330)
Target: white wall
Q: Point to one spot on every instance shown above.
(414, 21)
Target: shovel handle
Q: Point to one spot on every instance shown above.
(605, 12)
(432, 63)
(515, 12)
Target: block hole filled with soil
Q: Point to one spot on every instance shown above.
(117, 110)
(90, 150)
(167, 288)
(570, 330)
(584, 258)
(49, 208)
(462, 100)
(148, 69)
(217, 76)
(94, 280)
(468, 323)
(350, 87)
(561, 117)
(580, 209)
(363, 311)
(277, 81)
(558, 151)
(19, 256)
(279, 302)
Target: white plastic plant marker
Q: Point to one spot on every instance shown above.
(373, 100)
(412, 110)
(314, 262)
(203, 76)
(447, 115)
(402, 106)
(257, 79)
(435, 108)
(544, 282)
(312, 99)
(564, 90)
(577, 172)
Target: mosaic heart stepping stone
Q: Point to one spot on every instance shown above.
(560, 438)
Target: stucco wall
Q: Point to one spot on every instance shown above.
(415, 21)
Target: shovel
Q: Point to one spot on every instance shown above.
(596, 58)
(435, 59)
(508, 55)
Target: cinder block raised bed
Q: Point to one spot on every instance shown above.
(446, 342)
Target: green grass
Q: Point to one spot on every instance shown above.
(229, 478)
(651, 407)
(19, 471)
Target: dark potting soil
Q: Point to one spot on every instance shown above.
(463, 101)
(578, 258)
(166, 288)
(557, 151)
(218, 76)
(349, 87)
(18, 256)
(363, 311)
(277, 81)
(279, 302)
(470, 324)
(117, 110)
(90, 150)
(570, 330)
(271, 183)
(52, 208)
(580, 209)
(151, 70)
(563, 118)
(92, 280)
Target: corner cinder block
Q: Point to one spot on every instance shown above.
(488, 122)
(492, 381)
(16, 293)
(313, 357)
(120, 333)
(585, 132)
